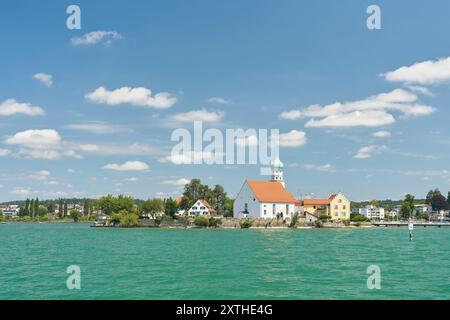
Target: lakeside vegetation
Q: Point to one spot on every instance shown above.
(125, 211)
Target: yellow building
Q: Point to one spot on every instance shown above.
(336, 206)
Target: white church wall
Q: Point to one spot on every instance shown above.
(246, 196)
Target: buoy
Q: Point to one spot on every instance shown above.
(410, 228)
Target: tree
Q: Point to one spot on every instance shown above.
(109, 204)
(185, 203)
(65, 209)
(51, 208)
(86, 211)
(128, 218)
(170, 206)
(152, 207)
(61, 208)
(75, 215)
(25, 211)
(32, 208)
(36, 207)
(431, 194)
(438, 203)
(228, 208)
(220, 197)
(41, 212)
(195, 190)
(375, 203)
(201, 221)
(448, 197)
(407, 206)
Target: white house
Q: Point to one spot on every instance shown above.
(372, 212)
(266, 199)
(200, 208)
(422, 209)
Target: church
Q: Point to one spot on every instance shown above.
(266, 199)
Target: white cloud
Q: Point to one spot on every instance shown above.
(382, 134)
(48, 144)
(35, 139)
(128, 166)
(40, 175)
(424, 73)
(217, 100)
(421, 90)
(179, 182)
(353, 119)
(39, 154)
(10, 107)
(96, 127)
(41, 144)
(18, 191)
(189, 157)
(139, 96)
(197, 115)
(369, 151)
(293, 138)
(369, 112)
(4, 152)
(247, 141)
(45, 78)
(322, 168)
(132, 179)
(72, 154)
(291, 115)
(95, 37)
(135, 149)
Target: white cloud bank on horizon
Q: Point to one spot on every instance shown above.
(128, 166)
(95, 37)
(140, 96)
(44, 78)
(11, 107)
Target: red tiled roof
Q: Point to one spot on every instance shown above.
(269, 191)
(319, 202)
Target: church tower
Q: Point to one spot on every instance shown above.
(277, 171)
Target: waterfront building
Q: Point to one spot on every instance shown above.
(422, 209)
(201, 208)
(439, 215)
(266, 199)
(10, 210)
(372, 212)
(336, 206)
(393, 214)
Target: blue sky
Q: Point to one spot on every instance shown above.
(269, 61)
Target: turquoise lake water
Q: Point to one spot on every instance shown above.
(222, 264)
